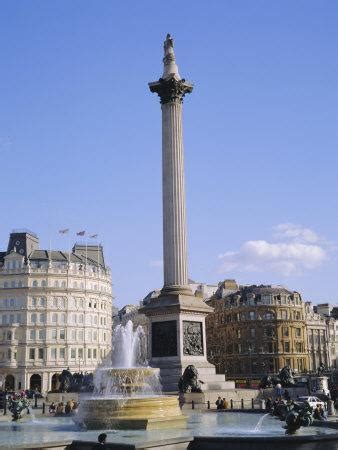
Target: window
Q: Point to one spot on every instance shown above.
(252, 332)
(287, 347)
(89, 353)
(20, 283)
(31, 334)
(298, 346)
(94, 353)
(63, 318)
(73, 353)
(298, 332)
(33, 318)
(42, 318)
(13, 284)
(43, 283)
(53, 334)
(32, 353)
(285, 331)
(62, 334)
(284, 314)
(80, 353)
(35, 283)
(95, 336)
(74, 318)
(33, 302)
(40, 353)
(42, 334)
(252, 315)
(62, 353)
(56, 284)
(18, 318)
(80, 334)
(55, 302)
(238, 334)
(81, 318)
(73, 334)
(268, 332)
(42, 302)
(53, 353)
(54, 318)
(63, 284)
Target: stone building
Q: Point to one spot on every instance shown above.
(329, 313)
(55, 311)
(317, 331)
(256, 329)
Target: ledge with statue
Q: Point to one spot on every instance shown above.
(191, 388)
(69, 386)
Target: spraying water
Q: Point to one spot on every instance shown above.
(125, 372)
(258, 427)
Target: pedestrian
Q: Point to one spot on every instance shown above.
(52, 408)
(68, 408)
(218, 402)
(287, 395)
(224, 403)
(101, 442)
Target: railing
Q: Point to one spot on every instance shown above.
(248, 404)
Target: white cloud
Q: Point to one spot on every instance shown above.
(156, 263)
(295, 232)
(296, 251)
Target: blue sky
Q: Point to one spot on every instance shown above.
(80, 137)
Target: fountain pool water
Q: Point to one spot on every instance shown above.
(127, 392)
(200, 424)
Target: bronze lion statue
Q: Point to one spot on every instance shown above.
(189, 380)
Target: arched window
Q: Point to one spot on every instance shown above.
(35, 283)
(20, 283)
(43, 283)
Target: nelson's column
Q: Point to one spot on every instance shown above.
(176, 317)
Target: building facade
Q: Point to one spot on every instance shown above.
(55, 312)
(256, 330)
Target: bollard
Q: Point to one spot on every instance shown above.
(262, 402)
(242, 403)
(43, 408)
(252, 404)
(35, 401)
(231, 404)
(5, 406)
(330, 408)
(192, 404)
(208, 404)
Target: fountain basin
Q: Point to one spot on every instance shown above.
(145, 413)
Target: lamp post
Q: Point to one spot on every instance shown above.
(250, 349)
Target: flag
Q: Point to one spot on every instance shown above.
(94, 236)
(64, 231)
(80, 233)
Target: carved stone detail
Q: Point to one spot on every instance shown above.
(164, 338)
(192, 338)
(171, 89)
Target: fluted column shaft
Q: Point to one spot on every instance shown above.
(174, 216)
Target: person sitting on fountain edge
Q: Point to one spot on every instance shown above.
(101, 441)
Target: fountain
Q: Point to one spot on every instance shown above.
(127, 393)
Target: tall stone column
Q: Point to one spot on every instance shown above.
(177, 335)
(171, 90)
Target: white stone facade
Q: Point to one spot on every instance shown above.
(53, 315)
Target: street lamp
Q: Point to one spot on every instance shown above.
(250, 349)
